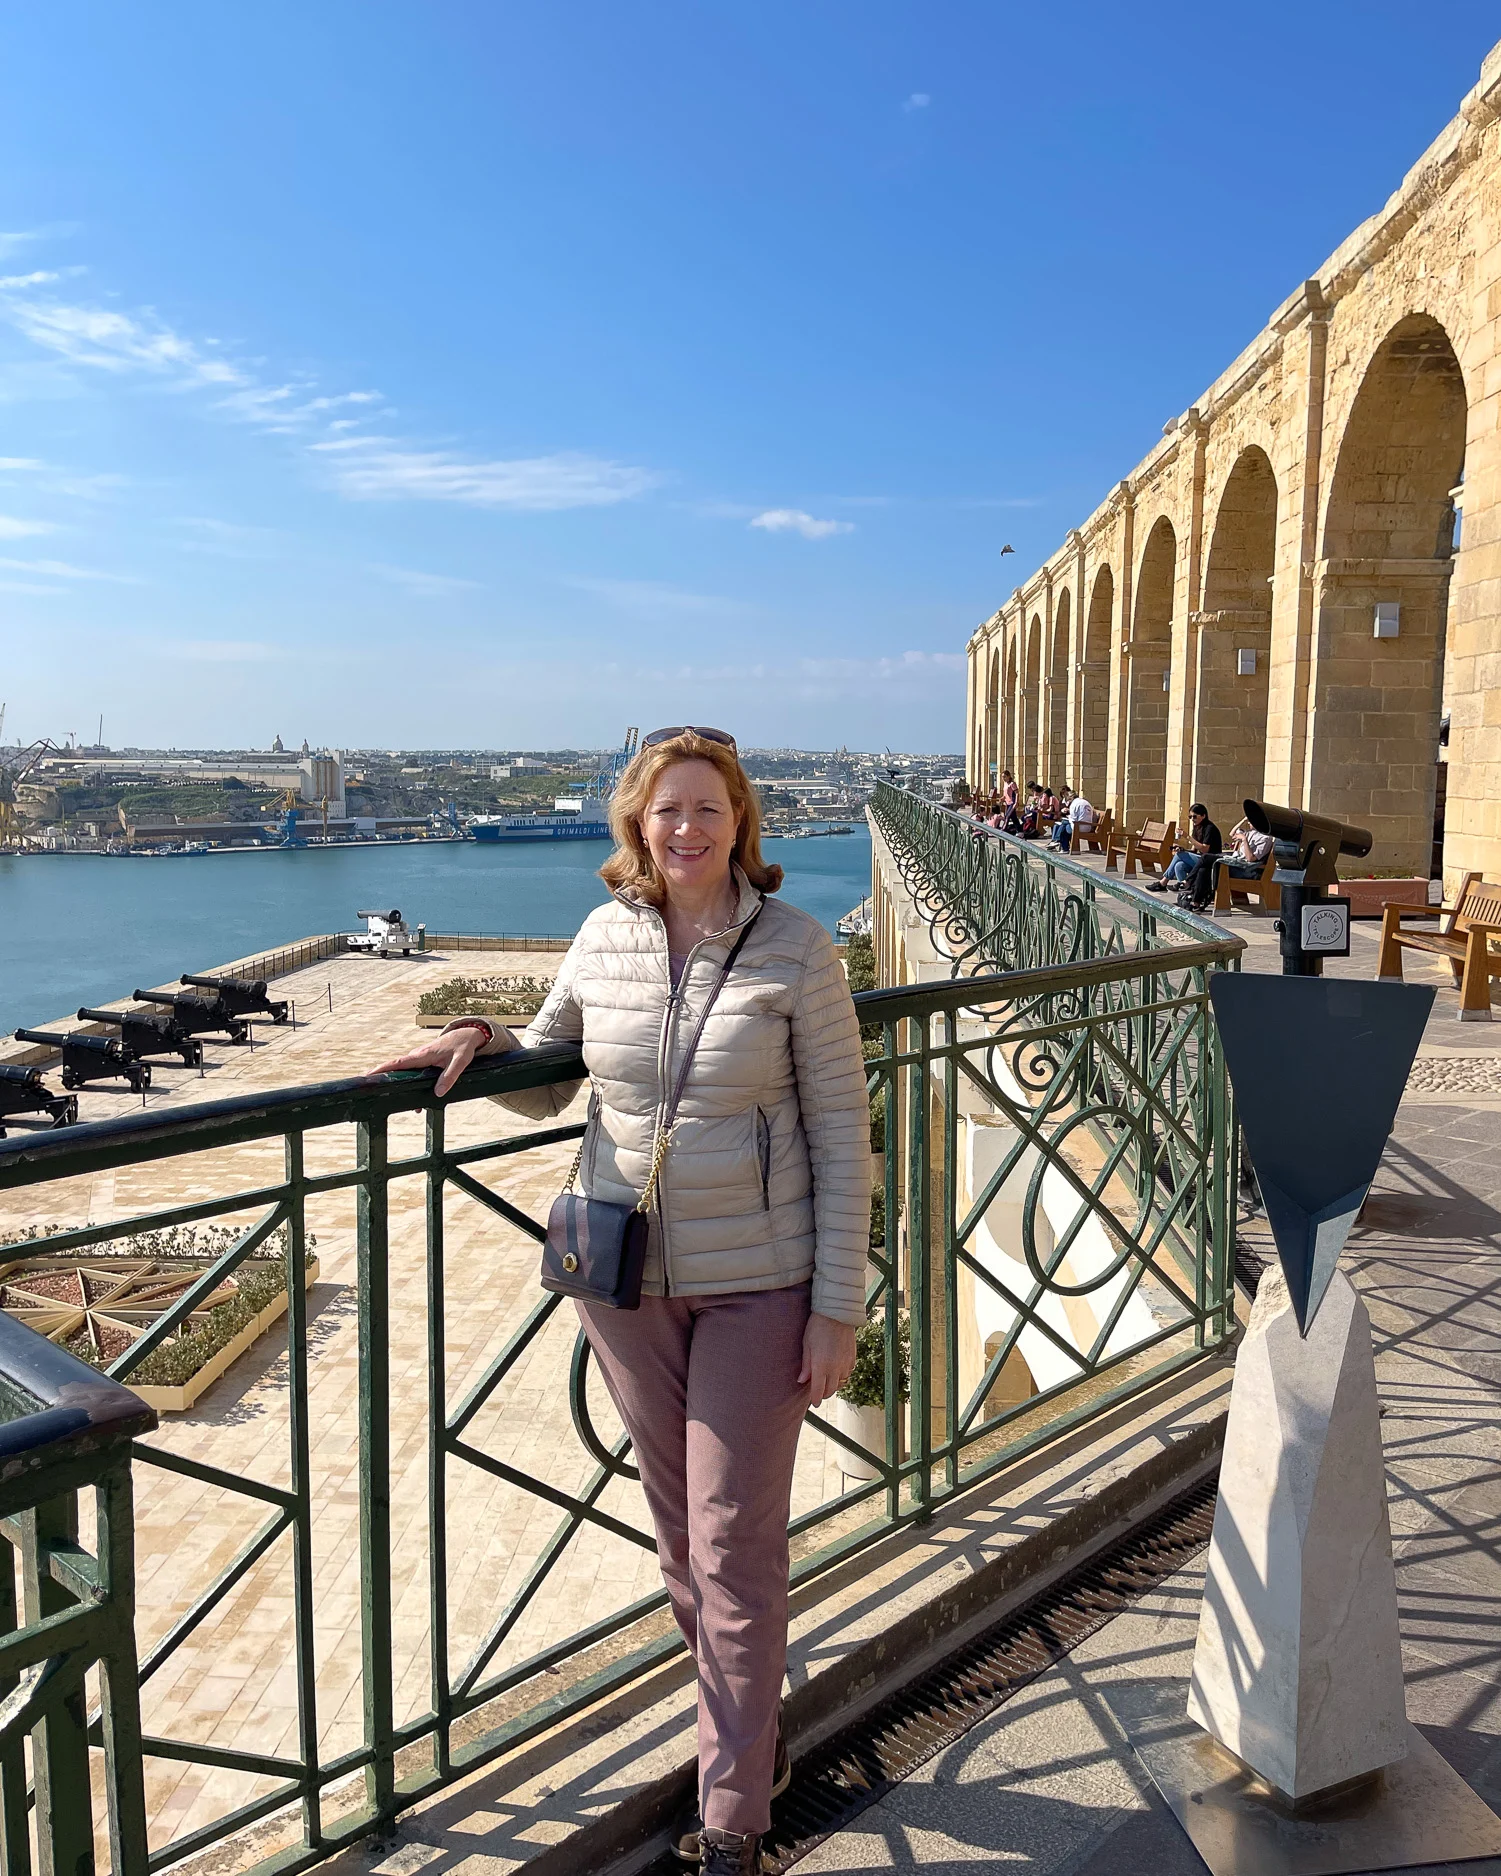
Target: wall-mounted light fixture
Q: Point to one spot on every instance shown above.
(1245, 664)
(1167, 679)
(1388, 618)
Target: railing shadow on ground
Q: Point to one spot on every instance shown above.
(1059, 1175)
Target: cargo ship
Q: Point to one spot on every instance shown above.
(583, 816)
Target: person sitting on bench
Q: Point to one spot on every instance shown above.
(1080, 818)
(1200, 850)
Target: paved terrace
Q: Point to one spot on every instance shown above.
(1051, 1785)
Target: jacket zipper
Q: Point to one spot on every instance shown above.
(664, 1064)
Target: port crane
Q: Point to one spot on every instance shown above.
(14, 770)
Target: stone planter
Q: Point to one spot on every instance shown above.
(1369, 896)
(865, 1424)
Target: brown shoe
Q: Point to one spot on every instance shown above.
(687, 1840)
(726, 1854)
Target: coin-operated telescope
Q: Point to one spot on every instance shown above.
(1308, 848)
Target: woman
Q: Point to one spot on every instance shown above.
(756, 1261)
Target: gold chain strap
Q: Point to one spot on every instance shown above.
(659, 1153)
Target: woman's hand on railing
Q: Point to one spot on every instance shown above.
(451, 1052)
(828, 1357)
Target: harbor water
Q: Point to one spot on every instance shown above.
(87, 928)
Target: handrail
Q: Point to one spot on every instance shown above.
(995, 902)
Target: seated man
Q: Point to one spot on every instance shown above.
(1246, 854)
(1080, 820)
(1199, 851)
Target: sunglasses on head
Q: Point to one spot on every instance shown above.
(688, 729)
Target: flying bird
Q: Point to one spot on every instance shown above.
(1008, 549)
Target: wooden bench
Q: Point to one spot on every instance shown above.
(1227, 888)
(1096, 838)
(1464, 937)
(1150, 847)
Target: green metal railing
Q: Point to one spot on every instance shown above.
(1058, 1181)
(997, 903)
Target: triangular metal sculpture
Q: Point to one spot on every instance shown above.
(1318, 1065)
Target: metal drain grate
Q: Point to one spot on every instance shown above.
(833, 1784)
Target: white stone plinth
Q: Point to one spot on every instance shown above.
(1297, 1670)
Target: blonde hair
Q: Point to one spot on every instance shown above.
(631, 863)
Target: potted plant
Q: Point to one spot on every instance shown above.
(858, 1410)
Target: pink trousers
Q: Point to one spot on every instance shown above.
(707, 1387)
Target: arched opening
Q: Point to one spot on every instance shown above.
(1009, 737)
(1031, 752)
(1094, 704)
(1389, 544)
(991, 757)
(1056, 762)
(1235, 642)
(1151, 670)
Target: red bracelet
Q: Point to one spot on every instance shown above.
(471, 1022)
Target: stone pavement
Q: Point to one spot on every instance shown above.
(1051, 1785)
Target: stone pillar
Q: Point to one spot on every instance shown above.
(1304, 324)
(1298, 1666)
(1120, 657)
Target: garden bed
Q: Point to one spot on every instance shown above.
(98, 1301)
(505, 998)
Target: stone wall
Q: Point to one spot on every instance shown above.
(1209, 631)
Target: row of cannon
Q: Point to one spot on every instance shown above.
(174, 1026)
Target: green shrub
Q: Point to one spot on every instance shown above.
(860, 963)
(866, 1386)
(485, 996)
(190, 1348)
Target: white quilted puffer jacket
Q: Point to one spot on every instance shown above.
(767, 1180)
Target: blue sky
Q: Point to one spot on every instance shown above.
(442, 373)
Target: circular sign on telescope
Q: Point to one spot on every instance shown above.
(1326, 927)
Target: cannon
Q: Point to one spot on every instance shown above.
(149, 1035)
(242, 996)
(196, 1015)
(24, 1091)
(92, 1058)
(384, 933)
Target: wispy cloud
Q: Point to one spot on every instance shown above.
(917, 101)
(655, 599)
(358, 465)
(61, 570)
(381, 468)
(12, 528)
(114, 342)
(797, 521)
(9, 464)
(424, 585)
(27, 586)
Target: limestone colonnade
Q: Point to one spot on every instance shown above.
(1302, 582)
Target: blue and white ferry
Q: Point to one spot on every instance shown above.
(574, 817)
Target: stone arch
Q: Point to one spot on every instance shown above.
(1009, 739)
(1389, 539)
(1150, 676)
(1092, 779)
(1056, 758)
(1031, 746)
(1233, 681)
(992, 731)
